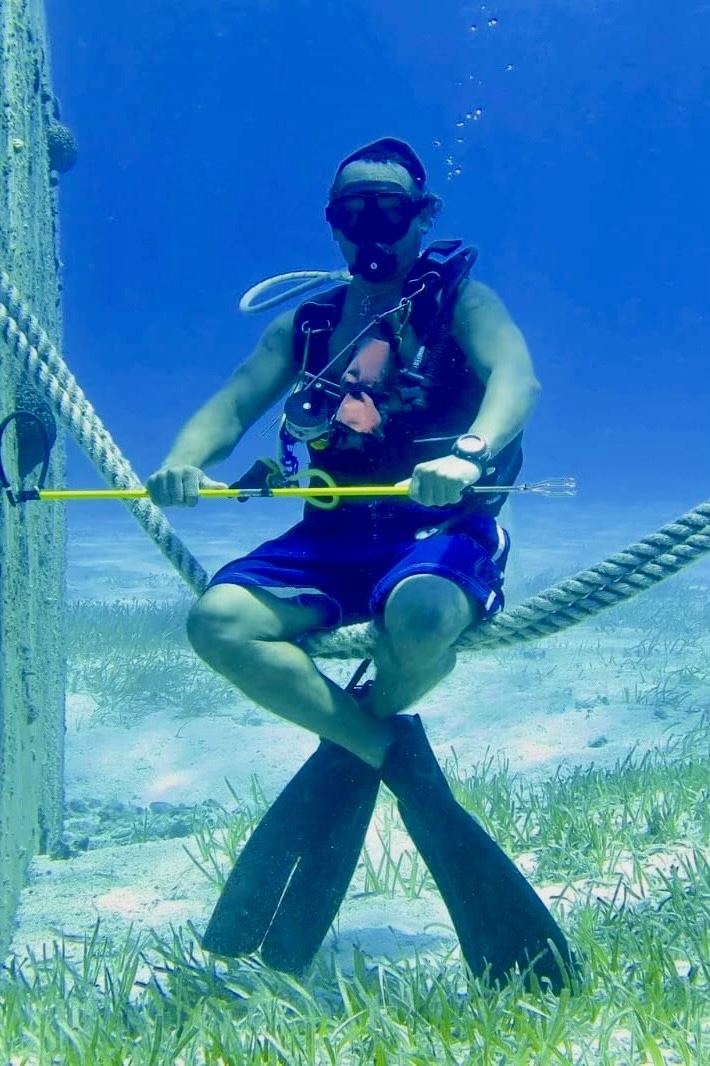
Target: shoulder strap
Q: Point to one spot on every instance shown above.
(317, 318)
(455, 267)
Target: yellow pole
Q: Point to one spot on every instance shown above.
(225, 494)
(560, 486)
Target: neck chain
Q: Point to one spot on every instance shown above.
(367, 306)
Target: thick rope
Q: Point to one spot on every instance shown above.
(618, 578)
(587, 593)
(47, 369)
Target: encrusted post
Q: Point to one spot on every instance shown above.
(34, 148)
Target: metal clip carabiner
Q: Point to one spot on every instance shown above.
(23, 495)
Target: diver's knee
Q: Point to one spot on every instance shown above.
(201, 629)
(220, 615)
(426, 613)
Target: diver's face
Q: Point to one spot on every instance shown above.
(377, 203)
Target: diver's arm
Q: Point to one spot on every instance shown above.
(212, 433)
(497, 352)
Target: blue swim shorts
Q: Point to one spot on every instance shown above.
(352, 557)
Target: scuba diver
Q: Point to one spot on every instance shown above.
(408, 372)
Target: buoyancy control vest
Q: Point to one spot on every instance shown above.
(383, 416)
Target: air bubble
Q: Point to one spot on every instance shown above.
(492, 22)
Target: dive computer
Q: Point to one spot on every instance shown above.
(474, 449)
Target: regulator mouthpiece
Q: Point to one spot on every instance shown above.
(375, 262)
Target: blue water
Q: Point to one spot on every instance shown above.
(209, 132)
(569, 141)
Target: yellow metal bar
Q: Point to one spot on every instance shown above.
(140, 494)
(561, 486)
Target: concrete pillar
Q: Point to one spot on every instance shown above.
(32, 535)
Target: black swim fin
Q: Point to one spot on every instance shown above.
(500, 920)
(286, 886)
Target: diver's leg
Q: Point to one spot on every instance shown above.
(291, 876)
(423, 618)
(246, 635)
(500, 920)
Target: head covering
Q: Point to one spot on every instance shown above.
(388, 150)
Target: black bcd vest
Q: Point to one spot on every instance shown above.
(444, 407)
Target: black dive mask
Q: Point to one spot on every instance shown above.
(373, 216)
(374, 219)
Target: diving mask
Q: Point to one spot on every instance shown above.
(373, 215)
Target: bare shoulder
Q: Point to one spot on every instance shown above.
(485, 331)
(267, 372)
(479, 300)
(274, 348)
(278, 335)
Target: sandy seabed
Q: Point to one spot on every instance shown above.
(559, 703)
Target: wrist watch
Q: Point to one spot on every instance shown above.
(474, 449)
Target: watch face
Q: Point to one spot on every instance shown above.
(471, 445)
